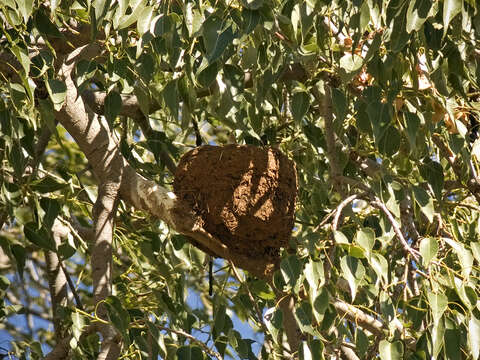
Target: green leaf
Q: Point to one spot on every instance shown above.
(39, 237)
(464, 256)
(304, 316)
(118, 316)
(252, 4)
(137, 7)
(19, 253)
(215, 37)
(451, 8)
(389, 143)
(25, 7)
(432, 171)
(353, 271)
(473, 336)
(291, 268)
(189, 353)
(161, 25)
(452, 341)
(17, 159)
(350, 65)
(428, 250)
(57, 91)
(113, 105)
(380, 116)
(340, 104)
(438, 305)
(206, 74)
(52, 209)
(45, 26)
(274, 323)
(424, 201)
(300, 105)
(262, 289)
(4, 283)
(170, 96)
(380, 266)
(65, 250)
(340, 237)
(476, 250)
(143, 98)
(47, 184)
(221, 43)
(365, 237)
(320, 304)
(413, 123)
(145, 19)
(250, 20)
(438, 332)
(314, 274)
(390, 350)
(311, 350)
(417, 14)
(219, 323)
(22, 56)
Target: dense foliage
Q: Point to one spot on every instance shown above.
(376, 101)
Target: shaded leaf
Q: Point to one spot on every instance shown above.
(290, 268)
(300, 105)
(47, 184)
(424, 201)
(353, 271)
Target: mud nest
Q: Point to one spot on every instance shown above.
(244, 196)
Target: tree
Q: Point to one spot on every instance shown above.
(377, 104)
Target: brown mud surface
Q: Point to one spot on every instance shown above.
(244, 195)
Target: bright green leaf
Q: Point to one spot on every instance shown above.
(428, 250)
(390, 350)
(438, 305)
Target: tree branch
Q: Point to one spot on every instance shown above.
(396, 228)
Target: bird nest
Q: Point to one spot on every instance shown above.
(244, 196)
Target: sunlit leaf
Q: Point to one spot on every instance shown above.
(428, 250)
(390, 350)
(438, 305)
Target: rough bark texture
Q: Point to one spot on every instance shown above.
(243, 195)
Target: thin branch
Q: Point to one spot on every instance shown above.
(255, 305)
(71, 285)
(340, 207)
(396, 228)
(193, 339)
(473, 184)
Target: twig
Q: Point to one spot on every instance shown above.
(252, 299)
(191, 338)
(472, 185)
(72, 287)
(340, 207)
(396, 228)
